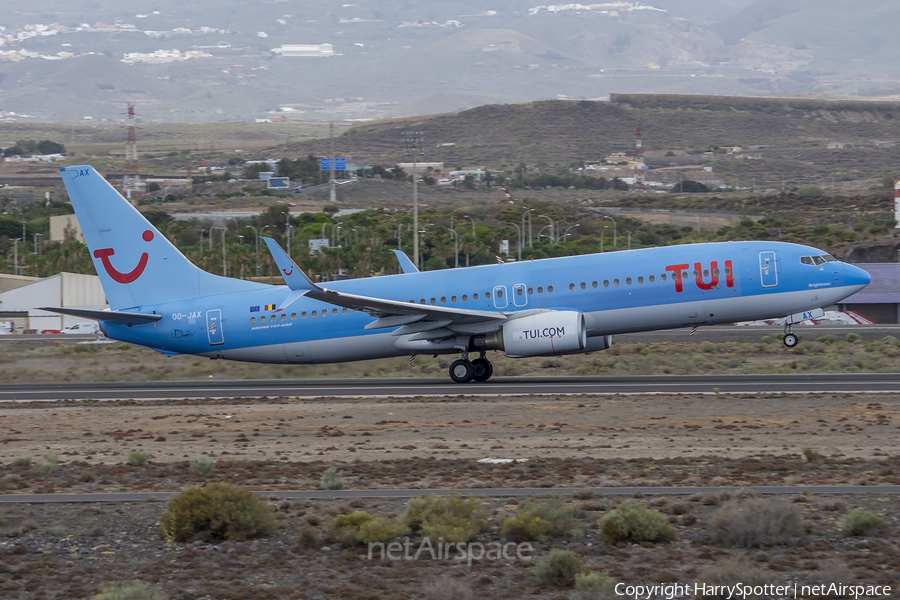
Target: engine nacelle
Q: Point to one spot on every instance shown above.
(541, 334)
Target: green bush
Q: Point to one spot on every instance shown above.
(756, 522)
(360, 527)
(861, 522)
(595, 586)
(447, 588)
(202, 465)
(559, 568)
(540, 519)
(853, 337)
(523, 528)
(812, 456)
(633, 522)
(135, 590)
(332, 479)
(731, 572)
(442, 516)
(381, 529)
(138, 457)
(221, 510)
(308, 537)
(50, 464)
(22, 461)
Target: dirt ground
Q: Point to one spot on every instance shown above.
(68, 551)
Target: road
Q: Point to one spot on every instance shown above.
(486, 492)
(333, 388)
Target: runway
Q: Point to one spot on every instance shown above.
(500, 386)
(485, 492)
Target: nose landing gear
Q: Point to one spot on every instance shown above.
(463, 371)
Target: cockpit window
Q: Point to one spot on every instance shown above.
(828, 258)
(806, 260)
(819, 260)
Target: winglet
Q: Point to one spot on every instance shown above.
(406, 265)
(293, 276)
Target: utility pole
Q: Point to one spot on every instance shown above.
(333, 195)
(412, 142)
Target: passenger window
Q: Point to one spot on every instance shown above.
(531, 291)
(583, 285)
(315, 314)
(465, 297)
(262, 319)
(628, 281)
(453, 299)
(253, 320)
(540, 289)
(333, 312)
(696, 274)
(433, 301)
(487, 295)
(616, 282)
(344, 311)
(475, 297)
(641, 279)
(303, 314)
(706, 272)
(283, 317)
(519, 292)
(294, 316)
(716, 272)
(606, 283)
(727, 272)
(651, 279)
(422, 301)
(549, 289)
(595, 285)
(663, 276)
(324, 312)
(571, 287)
(443, 299)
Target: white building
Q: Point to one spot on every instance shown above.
(305, 50)
(63, 290)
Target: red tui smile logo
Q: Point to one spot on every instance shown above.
(104, 253)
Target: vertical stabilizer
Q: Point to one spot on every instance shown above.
(136, 264)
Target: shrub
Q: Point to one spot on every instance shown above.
(595, 586)
(853, 337)
(441, 516)
(384, 530)
(539, 519)
(22, 461)
(448, 589)
(344, 528)
(812, 456)
(332, 479)
(50, 464)
(138, 457)
(523, 528)
(634, 522)
(732, 572)
(221, 510)
(861, 522)
(756, 522)
(135, 590)
(559, 568)
(202, 465)
(308, 537)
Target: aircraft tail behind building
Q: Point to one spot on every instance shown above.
(136, 264)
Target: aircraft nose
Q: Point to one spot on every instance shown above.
(854, 276)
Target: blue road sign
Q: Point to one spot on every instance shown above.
(340, 164)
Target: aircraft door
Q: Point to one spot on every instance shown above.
(214, 330)
(768, 273)
(520, 295)
(500, 299)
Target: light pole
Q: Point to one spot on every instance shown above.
(518, 239)
(566, 234)
(38, 243)
(552, 228)
(615, 243)
(473, 224)
(602, 231)
(456, 248)
(412, 143)
(629, 240)
(224, 264)
(529, 226)
(16, 254)
(422, 256)
(202, 231)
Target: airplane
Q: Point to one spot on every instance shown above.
(549, 307)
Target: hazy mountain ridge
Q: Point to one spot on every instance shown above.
(734, 47)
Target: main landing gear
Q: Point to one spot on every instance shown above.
(790, 339)
(463, 371)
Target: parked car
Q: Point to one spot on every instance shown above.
(50, 331)
(85, 328)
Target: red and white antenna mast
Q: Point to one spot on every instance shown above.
(639, 161)
(897, 203)
(131, 182)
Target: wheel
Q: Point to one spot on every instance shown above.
(791, 340)
(462, 371)
(483, 369)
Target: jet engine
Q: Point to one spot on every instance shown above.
(540, 334)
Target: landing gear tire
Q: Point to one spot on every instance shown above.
(791, 340)
(483, 369)
(462, 371)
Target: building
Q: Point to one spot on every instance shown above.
(315, 50)
(63, 290)
(63, 225)
(880, 300)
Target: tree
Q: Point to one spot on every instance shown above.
(690, 187)
(50, 147)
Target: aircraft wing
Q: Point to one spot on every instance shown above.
(125, 318)
(413, 318)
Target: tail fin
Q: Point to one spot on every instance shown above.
(137, 265)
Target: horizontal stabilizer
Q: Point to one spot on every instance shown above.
(406, 265)
(125, 318)
(293, 276)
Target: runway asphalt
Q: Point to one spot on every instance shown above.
(486, 492)
(506, 386)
